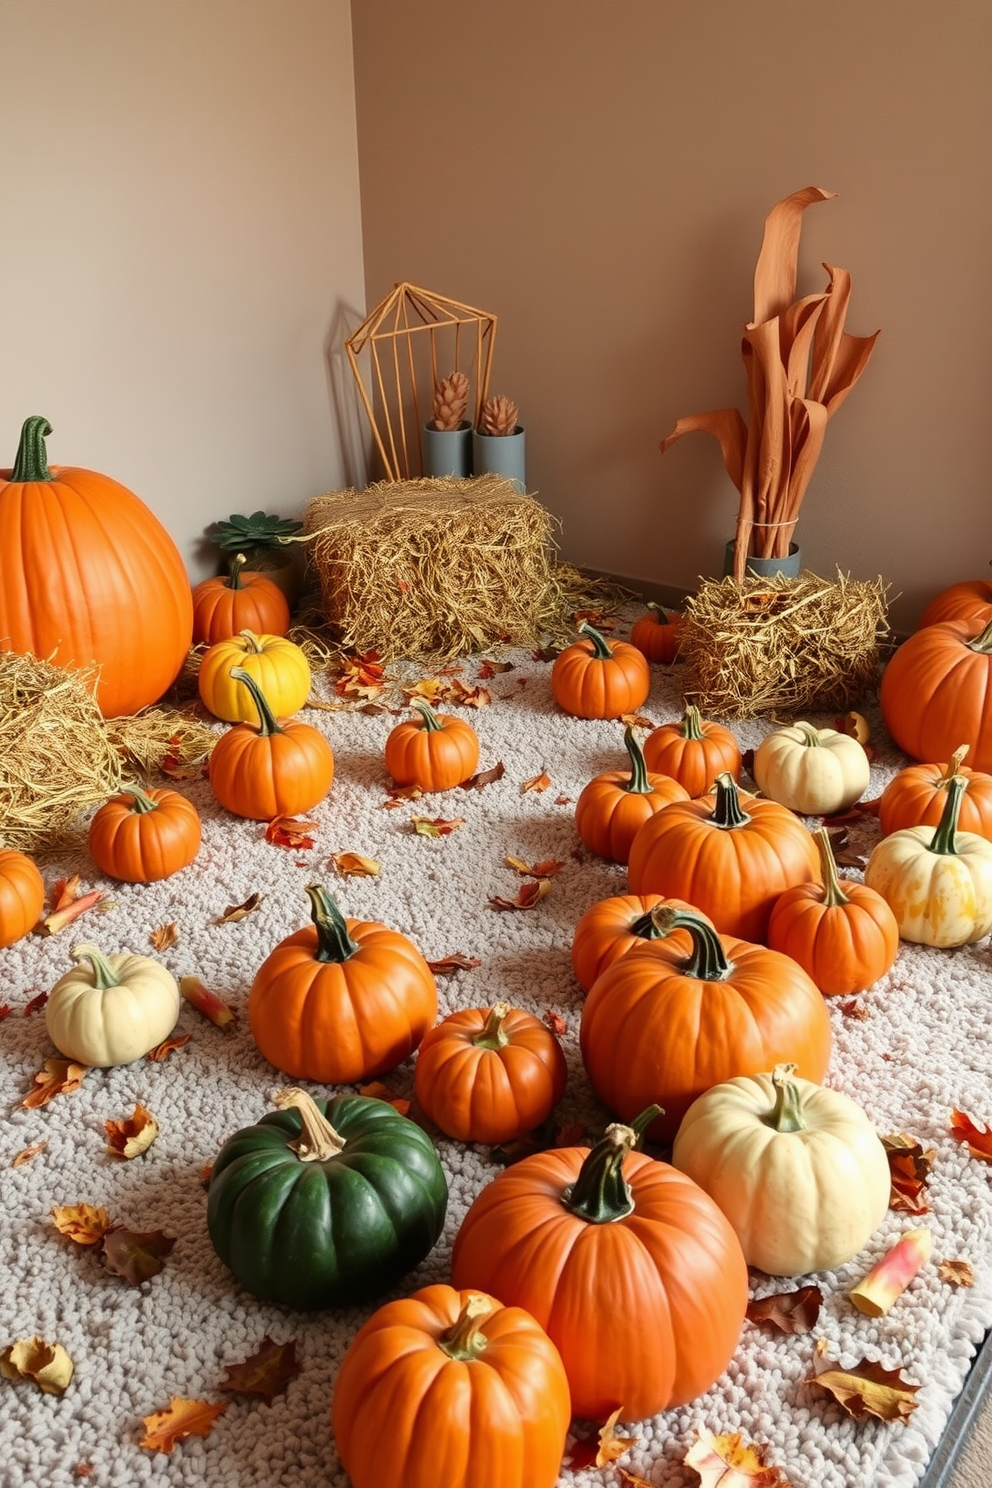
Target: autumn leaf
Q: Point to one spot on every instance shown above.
(556, 1023)
(854, 813)
(378, 1091)
(165, 936)
(467, 697)
(133, 1136)
(546, 868)
(551, 1133)
(909, 1169)
(36, 1004)
(83, 1224)
(869, 1389)
(67, 904)
(565, 801)
(47, 1364)
(455, 962)
(598, 619)
(135, 1255)
(634, 1479)
(536, 783)
(361, 676)
(956, 1273)
(183, 1418)
(546, 653)
(168, 1046)
(978, 1139)
(28, 1154)
(5, 1011)
(400, 793)
(266, 1373)
(531, 893)
(59, 1077)
(488, 668)
(235, 912)
(290, 831)
(482, 778)
(794, 1311)
(636, 720)
(353, 865)
(430, 689)
(851, 1008)
(208, 1003)
(728, 1461)
(436, 826)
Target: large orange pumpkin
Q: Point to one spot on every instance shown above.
(937, 690)
(615, 804)
(634, 1272)
(90, 578)
(596, 678)
(915, 797)
(969, 599)
(22, 895)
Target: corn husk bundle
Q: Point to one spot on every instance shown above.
(800, 365)
(782, 646)
(436, 568)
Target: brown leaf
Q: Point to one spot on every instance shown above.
(361, 676)
(267, 1372)
(436, 826)
(235, 912)
(165, 936)
(135, 1255)
(634, 1479)
(83, 1224)
(551, 1133)
(455, 962)
(290, 831)
(167, 1046)
(546, 653)
(868, 1389)
(566, 801)
(400, 793)
(47, 1364)
(59, 1077)
(36, 1004)
(909, 1169)
(547, 868)
(598, 619)
(854, 813)
(5, 1010)
(28, 1154)
(208, 1003)
(637, 720)
(134, 1135)
(978, 1139)
(556, 1023)
(354, 865)
(536, 783)
(795, 1311)
(467, 697)
(488, 668)
(86, 1470)
(531, 893)
(728, 1461)
(67, 904)
(851, 1008)
(483, 778)
(956, 1273)
(183, 1418)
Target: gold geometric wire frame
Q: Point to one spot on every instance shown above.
(413, 337)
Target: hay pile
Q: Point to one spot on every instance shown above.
(780, 645)
(436, 568)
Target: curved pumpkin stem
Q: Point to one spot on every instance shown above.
(253, 645)
(141, 802)
(692, 724)
(599, 646)
(318, 1140)
(31, 463)
(104, 975)
(648, 926)
(233, 580)
(810, 736)
(334, 944)
(432, 724)
(638, 783)
(708, 961)
(728, 813)
(600, 1193)
(833, 893)
(787, 1113)
(946, 830)
(267, 724)
(953, 766)
(982, 643)
(465, 1340)
(493, 1035)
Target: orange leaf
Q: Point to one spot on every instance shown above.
(603, 1449)
(131, 1137)
(488, 668)
(728, 1461)
(352, 864)
(378, 1091)
(67, 904)
(790, 1312)
(455, 962)
(183, 1418)
(956, 1273)
(634, 1479)
(854, 1009)
(436, 826)
(289, 831)
(636, 720)
(165, 936)
(483, 778)
(536, 783)
(28, 1154)
(866, 1390)
(59, 1077)
(167, 1046)
(909, 1169)
(978, 1139)
(361, 676)
(556, 1023)
(267, 1372)
(431, 689)
(467, 697)
(235, 912)
(398, 793)
(205, 1002)
(530, 894)
(83, 1224)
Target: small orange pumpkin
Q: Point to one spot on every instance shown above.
(22, 895)
(140, 836)
(916, 796)
(595, 678)
(270, 768)
(241, 600)
(694, 752)
(657, 634)
(612, 927)
(434, 751)
(614, 805)
(966, 600)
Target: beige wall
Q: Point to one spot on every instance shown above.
(598, 175)
(181, 247)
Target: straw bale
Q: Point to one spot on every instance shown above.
(436, 568)
(782, 645)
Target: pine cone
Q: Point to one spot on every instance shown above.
(498, 416)
(450, 401)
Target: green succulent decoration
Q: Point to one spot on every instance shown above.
(261, 530)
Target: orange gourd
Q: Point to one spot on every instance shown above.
(729, 854)
(970, 599)
(435, 752)
(614, 805)
(272, 768)
(694, 751)
(140, 836)
(937, 690)
(657, 635)
(226, 605)
(454, 1378)
(341, 1000)
(489, 1075)
(22, 895)
(595, 678)
(90, 578)
(633, 1271)
(279, 666)
(661, 1029)
(844, 935)
(916, 796)
(612, 927)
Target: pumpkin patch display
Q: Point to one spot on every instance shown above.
(633, 1271)
(916, 795)
(623, 922)
(22, 895)
(489, 1075)
(278, 666)
(615, 804)
(815, 772)
(694, 751)
(111, 1010)
(660, 1029)
(226, 605)
(272, 768)
(325, 1203)
(657, 634)
(596, 678)
(454, 1377)
(140, 835)
(433, 752)
(936, 691)
(89, 578)
(342, 999)
(798, 1170)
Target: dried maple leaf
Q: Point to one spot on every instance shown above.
(83, 1224)
(36, 1004)
(59, 1077)
(547, 868)
(165, 936)
(267, 1372)
(536, 783)
(47, 1364)
(208, 1003)
(488, 668)
(167, 1046)
(556, 1023)
(28, 1154)
(854, 1009)
(467, 697)
(354, 865)
(436, 826)
(603, 1449)
(135, 1255)
(235, 912)
(431, 689)
(376, 1090)
(67, 904)
(361, 676)
(978, 1139)
(636, 720)
(728, 1461)
(457, 961)
(133, 1136)
(398, 793)
(183, 1418)
(290, 831)
(794, 1311)
(909, 1169)
(546, 653)
(956, 1273)
(869, 1389)
(483, 778)
(531, 893)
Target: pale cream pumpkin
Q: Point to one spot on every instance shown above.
(111, 1009)
(936, 880)
(798, 1169)
(813, 771)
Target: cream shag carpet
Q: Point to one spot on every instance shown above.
(925, 1047)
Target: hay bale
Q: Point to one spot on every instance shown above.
(782, 646)
(436, 568)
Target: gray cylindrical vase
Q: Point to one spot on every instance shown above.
(500, 454)
(447, 451)
(765, 568)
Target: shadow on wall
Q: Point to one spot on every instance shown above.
(346, 407)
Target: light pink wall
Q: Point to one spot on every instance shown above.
(598, 176)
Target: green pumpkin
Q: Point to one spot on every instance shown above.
(326, 1203)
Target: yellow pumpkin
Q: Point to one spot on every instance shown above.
(278, 666)
(812, 771)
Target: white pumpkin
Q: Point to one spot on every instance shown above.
(798, 1170)
(936, 880)
(813, 771)
(111, 1009)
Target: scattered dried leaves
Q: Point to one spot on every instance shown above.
(489, 668)
(235, 912)
(83, 1224)
(47, 1364)
(376, 1090)
(132, 1136)
(59, 1077)
(794, 1311)
(851, 1008)
(206, 1002)
(165, 936)
(536, 783)
(290, 831)
(531, 893)
(167, 1046)
(354, 865)
(977, 1139)
(482, 778)
(547, 868)
(36, 1004)
(909, 1169)
(183, 1418)
(67, 904)
(28, 1154)
(728, 1461)
(869, 1389)
(556, 1023)
(266, 1373)
(956, 1273)
(361, 676)
(135, 1255)
(603, 1449)
(436, 826)
(457, 961)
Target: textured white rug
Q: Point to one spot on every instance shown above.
(925, 1048)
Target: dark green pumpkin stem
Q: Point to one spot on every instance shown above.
(318, 1141)
(465, 1340)
(708, 961)
(982, 642)
(432, 723)
(141, 803)
(692, 724)
(833, 893)
(787, 1113)
(601, 1194)
(728, 812)
(234, 577)
(267, 724)
(599, 645)
(648, 926)
(104, 975)
(638, 784)
(333, 941)
(946, 830)
(493, 1035)
(32, 457)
